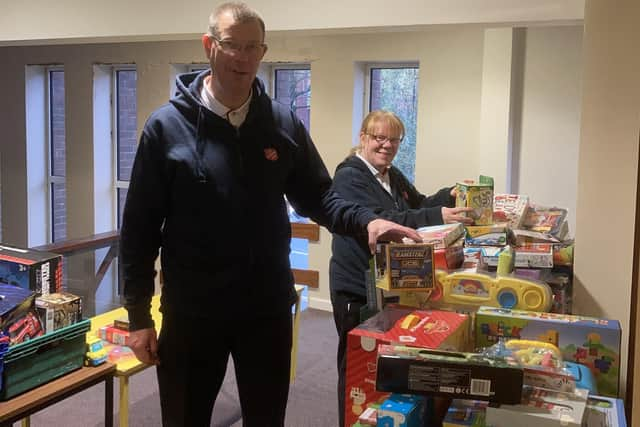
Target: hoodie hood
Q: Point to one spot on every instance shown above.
(187, 97)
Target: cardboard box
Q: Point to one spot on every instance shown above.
(466, 413)
(534, 255)
(604, 412)
(40, 272)
(402, 411)
(541, 408)
(451, 257)
(441, 236)
(434, 329)
(58, 310)
(589, 341)
(403, 369)
(486, 235)
(510, 208)
(407, 267)
(16, 302)
(114, 335)
(478, 196)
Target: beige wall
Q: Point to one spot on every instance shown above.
(26, 22)
(608, 164)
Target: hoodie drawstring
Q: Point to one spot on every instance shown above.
(200, 141)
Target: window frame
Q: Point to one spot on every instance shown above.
(51, 178)
(369, 66)
(118, 184)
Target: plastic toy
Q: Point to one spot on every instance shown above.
(24, 329)
(478, 289)
(96, 354)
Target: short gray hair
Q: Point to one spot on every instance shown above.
(241, 13)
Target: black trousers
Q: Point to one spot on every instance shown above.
(346, 315)
(194, 353)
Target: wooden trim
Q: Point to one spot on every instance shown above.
(633, 318)
(310, 278)
(95, 241)
(309, 231)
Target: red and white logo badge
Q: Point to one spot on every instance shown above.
(271, 154)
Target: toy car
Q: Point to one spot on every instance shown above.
(24, 329)
(96, 354)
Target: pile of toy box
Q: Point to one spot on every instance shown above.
(42, 333)
(483, 326)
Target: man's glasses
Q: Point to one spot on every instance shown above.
(381, 139)
(234, 48)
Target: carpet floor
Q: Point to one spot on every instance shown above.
(312, 396)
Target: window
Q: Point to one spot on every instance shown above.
(292, 87)
(125, 132)
(56, 154)
(394, 87)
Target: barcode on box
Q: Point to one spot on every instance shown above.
(481, 387)
(445, 389)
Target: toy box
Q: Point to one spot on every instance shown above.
(441, 236)
(541, 408)
(534, 255)
(604, 412)
(428, 329)
(407, 267)
(510, 208)
(113, 335)
(402, 410)
(592, 342)
(465, 413)
(486, 235)
(451, 257)
(544, 219)
(15, 303)
(44, 358)
(414, 370)
(58, 310)
(38, 271)
(478, 196)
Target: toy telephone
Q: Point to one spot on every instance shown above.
(478, 289)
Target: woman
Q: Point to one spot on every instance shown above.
(368, 178)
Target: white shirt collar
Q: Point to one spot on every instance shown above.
(235, 117)
(382, 179)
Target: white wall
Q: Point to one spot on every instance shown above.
(115, 20)
(453, 87)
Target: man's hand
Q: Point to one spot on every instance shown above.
(450, 215)
(381, 228)
(144, 343)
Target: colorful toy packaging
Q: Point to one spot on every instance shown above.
(592, 342)
(395, 324)
(403, 369)
(604, 412)
(40, 272)
(466, 413)
(406, 267)
(58, 310)
(510, 208)
(402, 410)
(541, 408)
(478, 196)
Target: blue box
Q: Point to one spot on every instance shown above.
(402, 410)
(14, 303)
(604, 412)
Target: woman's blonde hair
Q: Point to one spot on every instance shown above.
(388, 117)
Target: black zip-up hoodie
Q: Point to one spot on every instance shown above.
(212, 198)
(354, 181)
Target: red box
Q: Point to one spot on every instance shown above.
(449, 259)
(429, 329)
(114, 335)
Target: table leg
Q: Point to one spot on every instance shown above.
(124, 401)
(108, 401)
(25, 422)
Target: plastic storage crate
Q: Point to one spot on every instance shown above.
(42, 359)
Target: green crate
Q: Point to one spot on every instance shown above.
(40, 360)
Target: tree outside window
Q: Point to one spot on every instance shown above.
(396, 89)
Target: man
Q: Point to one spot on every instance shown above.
(208, 186)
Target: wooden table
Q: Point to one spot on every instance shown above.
(30, 402)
